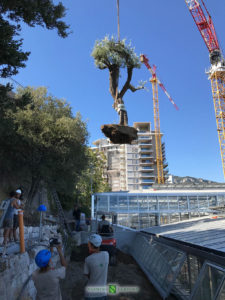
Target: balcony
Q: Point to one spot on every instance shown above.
(142, 132)
(147, 168)
(145, 149)
(142, 137)
(149, 145)
(147, 175)
(146, 162)
(146, 156)
(145, 187)
(143, 181)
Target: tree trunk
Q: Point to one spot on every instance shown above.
(114, 72)
(123, 118)
(33, 190)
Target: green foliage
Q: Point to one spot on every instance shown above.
(36, 12)
(10, 151)
(109, 52)
(41, 141)
(91, 180)
(12, 57)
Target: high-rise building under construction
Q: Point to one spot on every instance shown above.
(132, 167)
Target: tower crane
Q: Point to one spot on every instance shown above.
(155, 82)
(216, 73)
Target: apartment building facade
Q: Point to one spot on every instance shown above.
(132, 167)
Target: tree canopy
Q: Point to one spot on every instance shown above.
(41, 141)
(36, 12)
(114, 55)
(109, 52)
(91, 180)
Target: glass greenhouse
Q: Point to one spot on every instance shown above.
(143, 210)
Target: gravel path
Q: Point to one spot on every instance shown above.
(125, 273)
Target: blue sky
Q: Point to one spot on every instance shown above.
(165, 31)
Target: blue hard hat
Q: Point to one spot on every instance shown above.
(42, 207)
(42, 258)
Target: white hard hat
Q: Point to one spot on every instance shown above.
(18, 191)
(95, 239)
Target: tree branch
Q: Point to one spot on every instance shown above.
(127, 83)
(134, 89)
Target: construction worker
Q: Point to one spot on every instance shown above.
(104, 224)
(96, 269)
(76, 214)
(8, 220)
(46, 278)
(15, 217)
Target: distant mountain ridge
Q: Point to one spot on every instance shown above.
(192, 181)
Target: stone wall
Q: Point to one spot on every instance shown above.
(15, 269)
(33, 232)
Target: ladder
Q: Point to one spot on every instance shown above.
(3, 209)
(61, 216)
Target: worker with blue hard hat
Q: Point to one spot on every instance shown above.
(46, 278)
(42, 258)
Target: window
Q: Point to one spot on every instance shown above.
(134, 221)
(153, 220)
(203, 202)
(147, 181)
(143, 202)
(102, 203)
(183, 203)
(134, 162)
(221, 200)
(163, 203)
(174, 218)
(144, 220)
(152, 203)
(123, 219)
(144, 137)
(184, 216)
(193, 202)
(123, 203)
(146, 187)
(133, 203)
(173, 202)
(212, 201)
(113, 203)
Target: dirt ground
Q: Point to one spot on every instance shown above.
(125, 273)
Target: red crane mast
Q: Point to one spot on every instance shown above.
(216, 73)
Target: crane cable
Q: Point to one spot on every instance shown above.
(118, 19)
